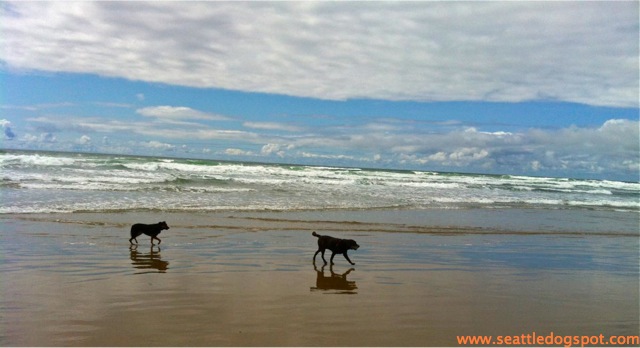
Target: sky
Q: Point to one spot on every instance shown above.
(525, 88)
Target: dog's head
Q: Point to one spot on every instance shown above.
(163, 225)
(351, 244)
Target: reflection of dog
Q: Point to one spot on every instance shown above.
(150, 261)
(333, 282)
(336, 245)
(152, 230)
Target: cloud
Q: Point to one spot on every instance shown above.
(166, 128)
(37, 107)
(238, 152)
(276, 149)
(424, 51)
(29, 138)
(84, 140)
(154, 144)
(178, 112)
(8, 131)
(611, 149)
(273, 126)
(305, 154)
(113, 105)
(44, 138)
(48, 138)
(85, 124)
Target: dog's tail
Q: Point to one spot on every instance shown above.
(315, 234)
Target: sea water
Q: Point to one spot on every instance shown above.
(42, 182)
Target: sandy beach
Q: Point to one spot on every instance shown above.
(247, 279)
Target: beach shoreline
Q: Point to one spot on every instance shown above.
(247, 279)
(434, 220)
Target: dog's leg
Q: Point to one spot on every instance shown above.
(159, 240)
(134, 235)
(332, 255)
(347, 257)
(314, 256)
(322, 254)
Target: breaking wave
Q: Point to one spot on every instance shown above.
(53, 182)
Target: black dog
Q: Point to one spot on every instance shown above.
(152, 230)
(336, 245)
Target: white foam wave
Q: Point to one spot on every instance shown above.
(34, 160)
(96, 182)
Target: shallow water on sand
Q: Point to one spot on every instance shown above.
(73, 280)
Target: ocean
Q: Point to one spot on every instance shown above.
(48, 182)
(44, 182)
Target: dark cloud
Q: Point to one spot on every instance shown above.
(8, 131)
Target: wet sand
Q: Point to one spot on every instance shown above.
(247, 279)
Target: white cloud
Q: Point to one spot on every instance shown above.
(36, 107)
(612, 148)
(440, 156)
(426, 51)
(84, 140)
(154, 144)
(279, 150)
(305, 154)
(238, 152)
(178, 112)
(466, 154)
(272, 126)
(165, 128)
(87, 124)
(29, 138)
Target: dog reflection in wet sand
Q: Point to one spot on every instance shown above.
(150, 261)
(334, 281)
(336, 245)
